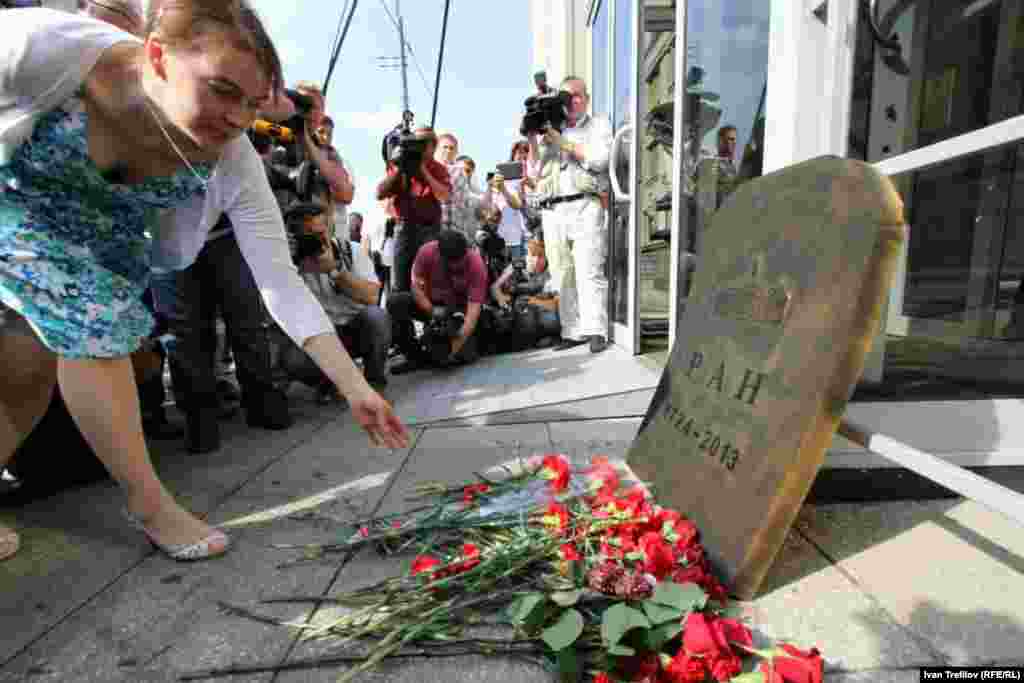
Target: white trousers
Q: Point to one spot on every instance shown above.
(576, 244)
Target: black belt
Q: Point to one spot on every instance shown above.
(548, 203)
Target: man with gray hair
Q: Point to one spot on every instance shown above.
(570, 179)
(124, 14)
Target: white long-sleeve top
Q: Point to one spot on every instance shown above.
(47, 55)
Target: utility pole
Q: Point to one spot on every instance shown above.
(405, 77)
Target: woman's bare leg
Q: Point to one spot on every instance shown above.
(26, 387)
(103, 400)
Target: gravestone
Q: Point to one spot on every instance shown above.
(786, 301)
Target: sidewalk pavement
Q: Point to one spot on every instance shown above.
(880, 588)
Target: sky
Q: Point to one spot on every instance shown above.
(486, 75)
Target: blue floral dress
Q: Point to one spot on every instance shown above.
(74, 250)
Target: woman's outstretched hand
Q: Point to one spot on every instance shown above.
(376, 417)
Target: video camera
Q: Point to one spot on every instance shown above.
(551, 108)
(403, 148)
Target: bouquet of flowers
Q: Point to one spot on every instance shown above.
(595, 580)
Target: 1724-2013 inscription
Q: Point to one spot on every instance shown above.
(709, 440)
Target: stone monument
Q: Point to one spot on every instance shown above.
(787, 298)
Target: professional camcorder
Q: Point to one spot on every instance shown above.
(549, 109)
(492, 249)
(403, 148)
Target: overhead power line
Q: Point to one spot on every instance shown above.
(440, 61)
(412, 53)
(337, 47)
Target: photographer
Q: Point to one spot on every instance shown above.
(319, 150)
(528, 309)
(449, 288)
(349, 301)
(572, 186)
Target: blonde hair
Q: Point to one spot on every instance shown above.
(180, 23)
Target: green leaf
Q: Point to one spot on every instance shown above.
(686, 597)
(563, 632)
(522, 607)
(566, 598)
(658, 636)
(620, 618)
(731, 612)
(659, 614)
(621, 651)
(751, 677)
(569, 667)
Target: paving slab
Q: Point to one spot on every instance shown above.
(950, 571)
(626, 404)
(876, 676)
(452, 455)
(807, 601)
(162, 618)
(517, 381)
(586, 438)
(73, 546)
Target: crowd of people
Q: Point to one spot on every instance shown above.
(168, 202)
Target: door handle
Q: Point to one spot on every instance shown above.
(613, 164)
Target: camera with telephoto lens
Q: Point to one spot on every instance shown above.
(444, 325)
(302, 244)
(549, 109)
(291, 171)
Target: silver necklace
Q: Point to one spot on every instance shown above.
(174, 146)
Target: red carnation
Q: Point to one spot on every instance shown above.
(424, 563)
(658, 557)
(686, 669)
(569, 553)
(799, 667)
(724, 668)
(603, 478)
(470, 558)
(602, 677)
(712, 636)
(470, 492)
(555, 468)
(556, 519)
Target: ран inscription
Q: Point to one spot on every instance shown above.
(723, 380)
(708, 440)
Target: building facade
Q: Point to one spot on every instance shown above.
(930, 92)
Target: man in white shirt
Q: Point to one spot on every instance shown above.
(572, 187)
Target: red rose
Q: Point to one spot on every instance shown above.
(686, 669)
(569, 553)
(712, 636)
(799, 667)
(658, 557)
(424, 563)
(725, 668)
(555, 468)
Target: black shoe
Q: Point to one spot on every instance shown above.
(268, 411)
(598, 344)
(202, 432)
(156, 426)
(567, 344)
(227, 392)
(410, 365)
